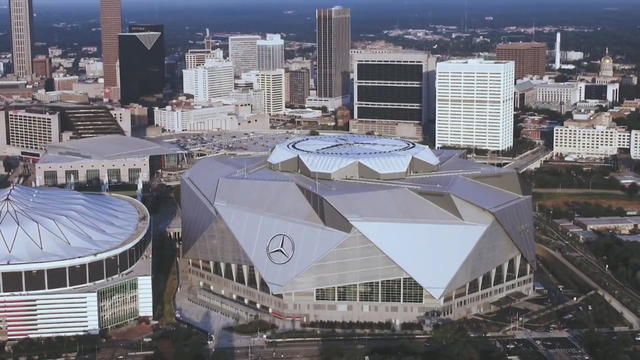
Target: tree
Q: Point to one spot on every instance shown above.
(561, 78)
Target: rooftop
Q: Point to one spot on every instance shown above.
(108, 147)
(50, 224)
(353, 156)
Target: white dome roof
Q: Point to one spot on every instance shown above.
(50, 224)
(329, 154)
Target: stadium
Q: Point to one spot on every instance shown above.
(71, 263)
(354, 228)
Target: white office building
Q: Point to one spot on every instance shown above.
(474, 104)
(596, 137)
(270, 53)
(243, 52)
(213, 79)
(197, 57)
(196, 118)
(558, 93)
(272, 83)
(30, 130)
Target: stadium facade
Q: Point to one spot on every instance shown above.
(71, 263)
(354, 228)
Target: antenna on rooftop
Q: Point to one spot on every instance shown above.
(533, 32)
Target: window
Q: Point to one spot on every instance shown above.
(473, 286)
(134, 175)
(71, 176)
(57, 278)
(369, 291)
(511, 270)
(348, 293)
(113, 175)
(390, 290)
(522, 269)
(486, 281)
(50, 178)
(93, 176)
(499, 277)
(411, 291)
(11, 281)
(326, 294)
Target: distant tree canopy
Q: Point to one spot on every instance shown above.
(632, 121)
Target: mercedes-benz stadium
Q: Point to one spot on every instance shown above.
(71, 263)
(354, 228)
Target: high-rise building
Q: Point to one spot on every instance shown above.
(42, 66)
(474, 105)
(270, 53)
(111, 24)
(392, 92)
(333, 41)
(530, 58)
(197, 57)
(141, 63)
(297, 89)
(272, 83)
(213, 79)
(21, 36)
(243, 52)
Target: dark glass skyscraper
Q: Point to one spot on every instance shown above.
(142, 72)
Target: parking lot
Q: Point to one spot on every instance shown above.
(215, 143)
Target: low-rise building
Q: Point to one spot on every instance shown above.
(618, 224)
(120, 159)
(597, 136)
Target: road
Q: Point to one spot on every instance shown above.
(529, 159)
(576, 191)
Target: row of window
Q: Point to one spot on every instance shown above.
(405, 290)
(58, 278)
(92, 175)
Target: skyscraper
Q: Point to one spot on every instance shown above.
(392, 92)
(111, 23)
(141, 62)
(243, 52)
(272, 83)
(270, 53)
(333, 42)
(21, 36)
(474, 106)
(211, 80)
(530, 58)
(297, 86)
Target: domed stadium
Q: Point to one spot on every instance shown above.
(71, 263)
(354, 228)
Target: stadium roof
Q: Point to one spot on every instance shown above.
(332, 156)
(50, 224)
(109, 147)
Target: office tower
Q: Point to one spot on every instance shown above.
(197, 57)
(111, 23)
(558, 52)
(270, 53)
(243, 52)
(213, 79)
(297, 88)
(272, 83)
(141, 63)
(392, 92)
(42, 66)
(28, 129)
(530, 58)
(474, 106)
(333, 41)
(209, 43)
(21, 36)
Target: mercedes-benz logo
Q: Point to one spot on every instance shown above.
(280, 249)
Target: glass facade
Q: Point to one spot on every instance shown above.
(390, 72)
(405, 290)
(113, 175)
(118, 303)
(50, 178)
(390, 94)
(134, 175)
(400, 114)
